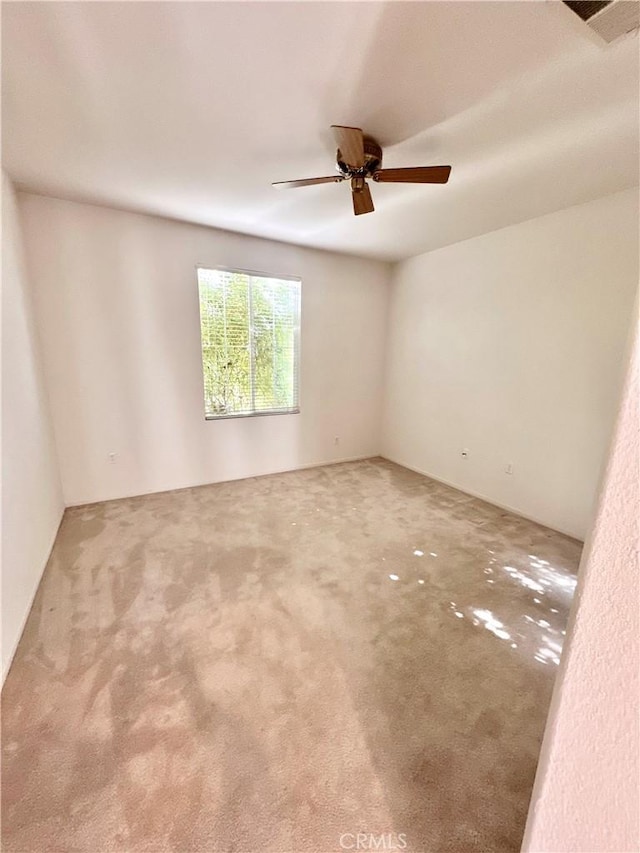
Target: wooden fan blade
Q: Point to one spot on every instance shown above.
(308, 182)
(415, 175)
(362, 201)
(351, 145)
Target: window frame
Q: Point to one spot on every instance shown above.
(296, 341)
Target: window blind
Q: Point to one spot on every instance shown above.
(250, 331)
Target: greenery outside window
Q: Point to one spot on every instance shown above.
(250, 333)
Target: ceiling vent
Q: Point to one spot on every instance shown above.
(610, 19)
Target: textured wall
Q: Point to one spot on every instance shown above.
(586, 792)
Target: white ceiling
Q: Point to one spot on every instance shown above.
(190, 110)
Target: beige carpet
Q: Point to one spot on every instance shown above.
(278, 664)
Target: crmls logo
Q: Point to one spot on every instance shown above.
(369, 841)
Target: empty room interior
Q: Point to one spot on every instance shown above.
(317, 373)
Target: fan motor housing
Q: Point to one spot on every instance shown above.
(372, 160)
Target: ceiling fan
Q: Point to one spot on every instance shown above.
(359, 157)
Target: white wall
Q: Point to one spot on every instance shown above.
(32, 503)
(511, 345)
(586, 791)
(117, 304)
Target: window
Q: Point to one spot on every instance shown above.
(250, 328)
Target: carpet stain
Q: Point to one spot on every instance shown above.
(273, 663)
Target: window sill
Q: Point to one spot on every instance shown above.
(265, 413)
